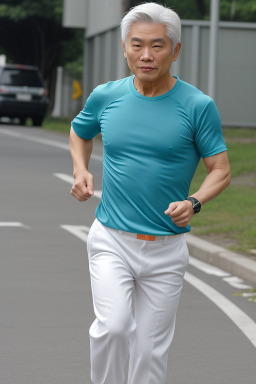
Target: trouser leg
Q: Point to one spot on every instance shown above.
(157, 294)
(112, 285)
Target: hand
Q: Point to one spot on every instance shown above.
(180, 212)
(83, 185)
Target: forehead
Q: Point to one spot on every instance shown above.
(148, 31)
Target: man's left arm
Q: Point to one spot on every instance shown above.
(218, 178)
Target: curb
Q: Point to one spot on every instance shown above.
(231, 262)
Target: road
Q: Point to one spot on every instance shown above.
(45, 293)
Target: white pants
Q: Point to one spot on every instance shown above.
(117, 263)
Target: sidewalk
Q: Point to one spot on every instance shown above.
(231, 262)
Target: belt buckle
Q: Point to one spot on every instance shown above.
(146, 237)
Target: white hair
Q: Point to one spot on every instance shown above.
(153, 13)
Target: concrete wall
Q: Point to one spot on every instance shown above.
(103, 15)
(104, 60)
(75, 13)
(236, 68)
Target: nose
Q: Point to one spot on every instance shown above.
(146, 55)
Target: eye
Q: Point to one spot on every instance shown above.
(136, 45)
(157, 46)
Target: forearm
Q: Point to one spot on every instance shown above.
(80, 150)
(215, 182)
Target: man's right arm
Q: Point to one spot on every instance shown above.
(81, 151)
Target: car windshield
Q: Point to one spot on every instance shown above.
(21, 78)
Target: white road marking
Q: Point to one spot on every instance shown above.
(207, 268)
(239, 318)
(64, 177)
(79, 231)
(247, 294)
(12, 224)
(69, 179)
(236, 282)
(52, 143)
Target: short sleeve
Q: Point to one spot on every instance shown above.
(209, 138)
(86, 124)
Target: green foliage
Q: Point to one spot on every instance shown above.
(239, 10)
(75, 68)
(72, 53)
(188, 9)
(27, 8)
(233, 10)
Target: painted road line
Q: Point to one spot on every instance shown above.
(207, 268)
(79, 231)
(70, 179)
(235, 314)
(13, 224)
(247, 294)
(52, 143)
(236, 282)
(64, 177)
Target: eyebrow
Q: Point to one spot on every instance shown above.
(158, 40)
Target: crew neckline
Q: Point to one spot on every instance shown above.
(136, 93)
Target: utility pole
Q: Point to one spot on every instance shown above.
(213, 49)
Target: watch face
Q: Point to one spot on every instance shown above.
(197, 207)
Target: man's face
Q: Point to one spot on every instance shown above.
(149, 51)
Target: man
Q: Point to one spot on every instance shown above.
(155, 128)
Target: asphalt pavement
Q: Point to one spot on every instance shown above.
(45, 292)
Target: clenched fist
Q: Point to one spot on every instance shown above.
(83, 185)
(180, 212)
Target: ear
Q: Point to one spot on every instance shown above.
(124, 49)
(176, 52)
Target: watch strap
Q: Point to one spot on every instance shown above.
(195, 204)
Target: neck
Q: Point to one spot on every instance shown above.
(155, 88)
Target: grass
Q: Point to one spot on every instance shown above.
(231, 215)
(233, 133)
(59, 124)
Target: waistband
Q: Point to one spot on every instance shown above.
(143, 237)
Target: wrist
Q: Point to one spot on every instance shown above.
(196, 205)
(78, 171)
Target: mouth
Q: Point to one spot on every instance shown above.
(147, 69)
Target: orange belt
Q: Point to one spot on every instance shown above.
(146, 237)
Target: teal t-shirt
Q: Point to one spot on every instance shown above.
(152, 146)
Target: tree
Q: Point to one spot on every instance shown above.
(235, 10)
(187, 9)
(31, 32)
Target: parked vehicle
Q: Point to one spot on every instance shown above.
(22, 93)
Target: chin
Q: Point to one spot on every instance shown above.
(146, 76)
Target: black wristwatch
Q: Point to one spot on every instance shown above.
(195, 204)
